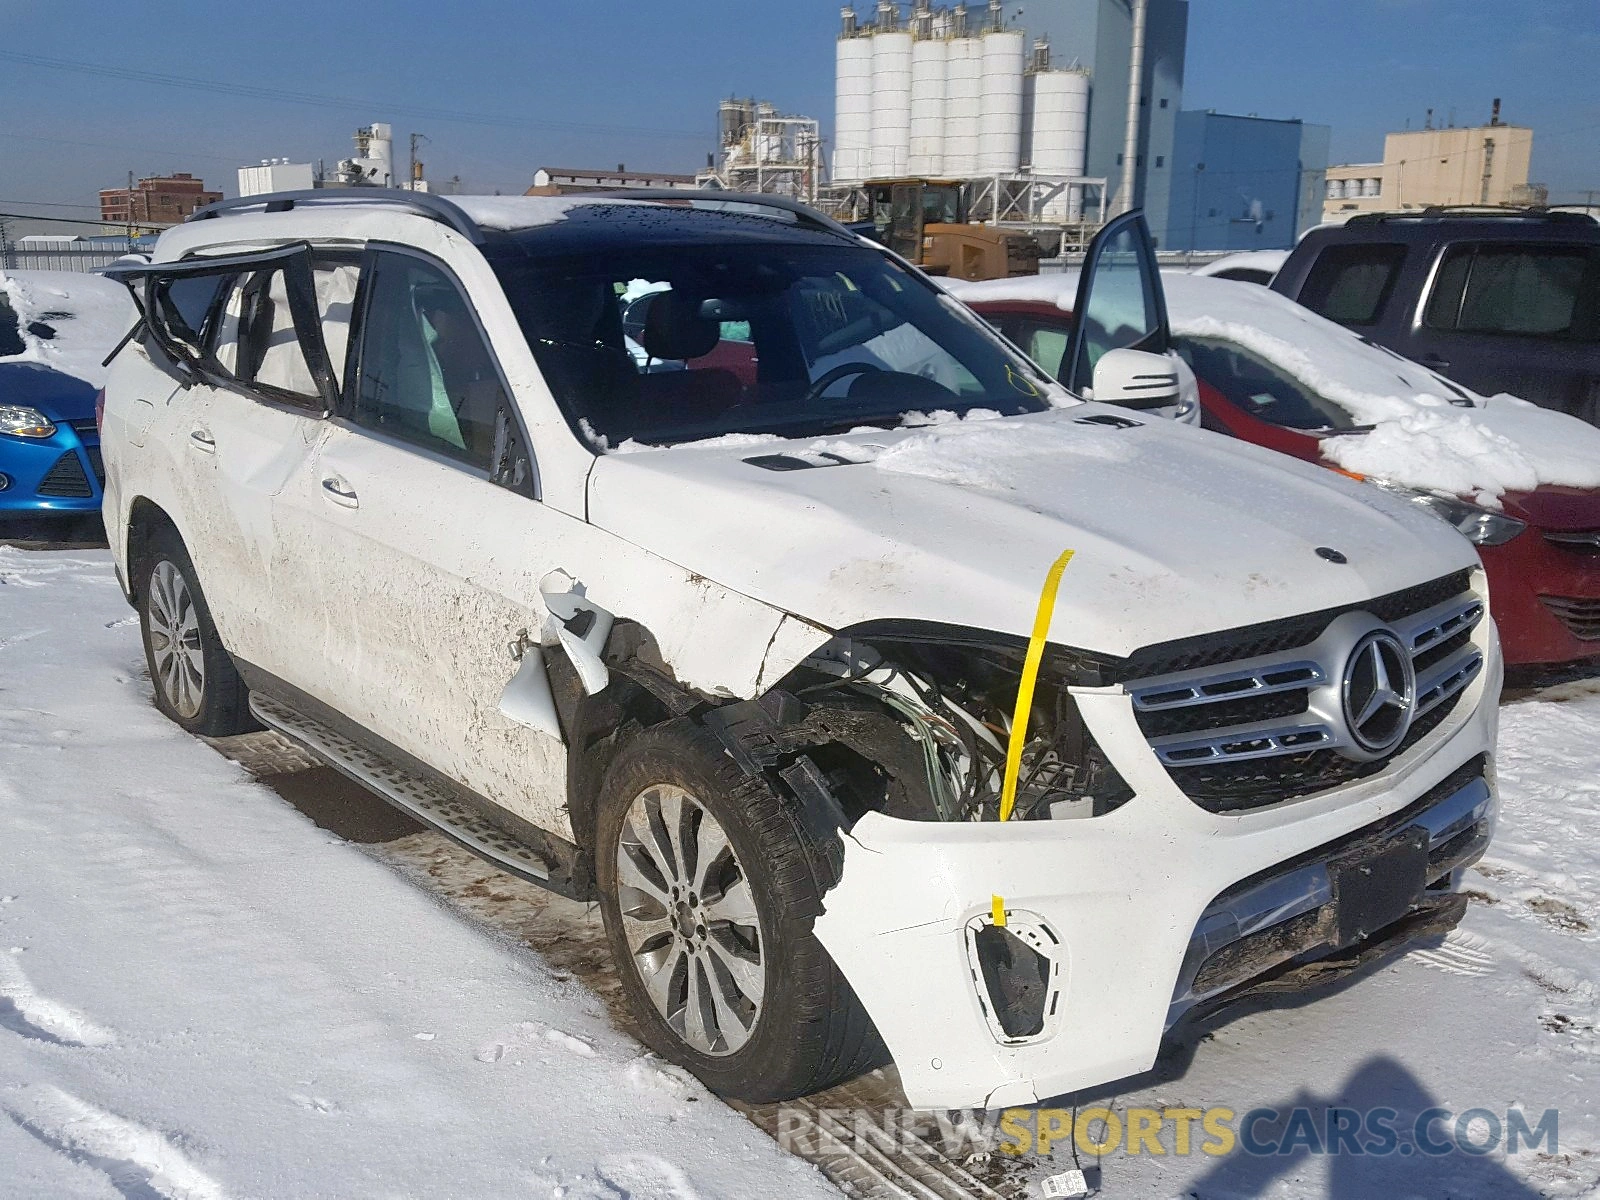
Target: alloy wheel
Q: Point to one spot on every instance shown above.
(175, 640)
(690, 921)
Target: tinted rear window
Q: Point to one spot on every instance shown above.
(1352, 284)
(1518, 289)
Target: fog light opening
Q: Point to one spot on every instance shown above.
(1016, 971)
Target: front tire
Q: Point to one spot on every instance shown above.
(196, 682)
(708, 894)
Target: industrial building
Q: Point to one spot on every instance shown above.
(950, 95)
(372, 165)
(1104, 38)
(563, 181)
(156, 201)
(763, 150)
(1480, 164)
(1242, 183)
(1033, 112)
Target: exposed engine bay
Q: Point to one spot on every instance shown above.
(918, 728)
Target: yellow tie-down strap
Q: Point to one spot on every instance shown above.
(1030, 676)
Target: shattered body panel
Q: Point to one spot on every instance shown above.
(1122, 892)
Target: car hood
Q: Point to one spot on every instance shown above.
(1175, 531)
(59, 396)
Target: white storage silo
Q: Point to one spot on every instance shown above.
(929, 61)
(1059, 132)
(1000, 111)
(891, 103)
(852, 112)
(1372, 187)
(963, 102)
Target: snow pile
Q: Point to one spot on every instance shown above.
(89, 314)
(979, 453)
(1423, 435)
(1269, 261)
(204, 996)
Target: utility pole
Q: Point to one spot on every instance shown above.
(411, 175)
(5, 246)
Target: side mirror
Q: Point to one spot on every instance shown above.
(1136, 379)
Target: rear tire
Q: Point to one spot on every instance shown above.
(723, 906)
(196, 683)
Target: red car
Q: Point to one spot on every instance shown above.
(1521, 483)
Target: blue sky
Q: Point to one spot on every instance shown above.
(502, 89)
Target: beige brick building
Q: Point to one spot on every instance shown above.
(1485, 164)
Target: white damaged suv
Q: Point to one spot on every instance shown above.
(695, 556)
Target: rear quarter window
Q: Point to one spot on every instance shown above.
(1518, 289)
(1352, 284)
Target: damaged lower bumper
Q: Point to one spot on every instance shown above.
(1008, 963)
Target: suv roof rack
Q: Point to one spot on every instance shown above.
(421, 204)
(716, 198)
(437, 208)
(1472, 212)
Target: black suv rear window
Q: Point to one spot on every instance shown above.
(1351, 284)
(1519, 289)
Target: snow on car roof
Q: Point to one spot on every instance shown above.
(89, 314)
(1421, 436)
(525, 212)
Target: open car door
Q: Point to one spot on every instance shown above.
(1121, 307)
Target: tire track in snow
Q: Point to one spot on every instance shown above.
(139, 1162)
(1458, 954)
(25, 1012)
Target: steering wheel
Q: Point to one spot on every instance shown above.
(842, 371)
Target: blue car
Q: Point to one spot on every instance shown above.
(55, 328)
(49, 447)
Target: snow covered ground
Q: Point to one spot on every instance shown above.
(203, 994)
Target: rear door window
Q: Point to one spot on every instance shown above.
(249, 321)
(1518, 290)
(259, 344)
(1352, 284)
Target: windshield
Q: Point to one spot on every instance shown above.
(1263, 390)
(666, 344)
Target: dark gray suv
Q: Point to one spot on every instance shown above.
(1498, 300)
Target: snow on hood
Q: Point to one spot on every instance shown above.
(1176, 531)
(1422, 437)
(101, 313)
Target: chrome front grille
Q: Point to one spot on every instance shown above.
(1265, 728)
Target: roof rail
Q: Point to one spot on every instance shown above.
(715, 198)
(422, 204)
(1470, 212)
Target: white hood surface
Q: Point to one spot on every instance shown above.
(1176, 532)
(1421, 436)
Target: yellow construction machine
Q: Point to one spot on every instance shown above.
(927, 222)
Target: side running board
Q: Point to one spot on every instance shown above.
(407, 791)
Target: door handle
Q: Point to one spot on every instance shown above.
(1434, 361)
(340, 492)
(202, 441)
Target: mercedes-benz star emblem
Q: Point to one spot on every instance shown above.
(1380, 692)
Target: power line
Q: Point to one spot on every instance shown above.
(314, 100)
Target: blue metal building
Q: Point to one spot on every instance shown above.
(1242, 183)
